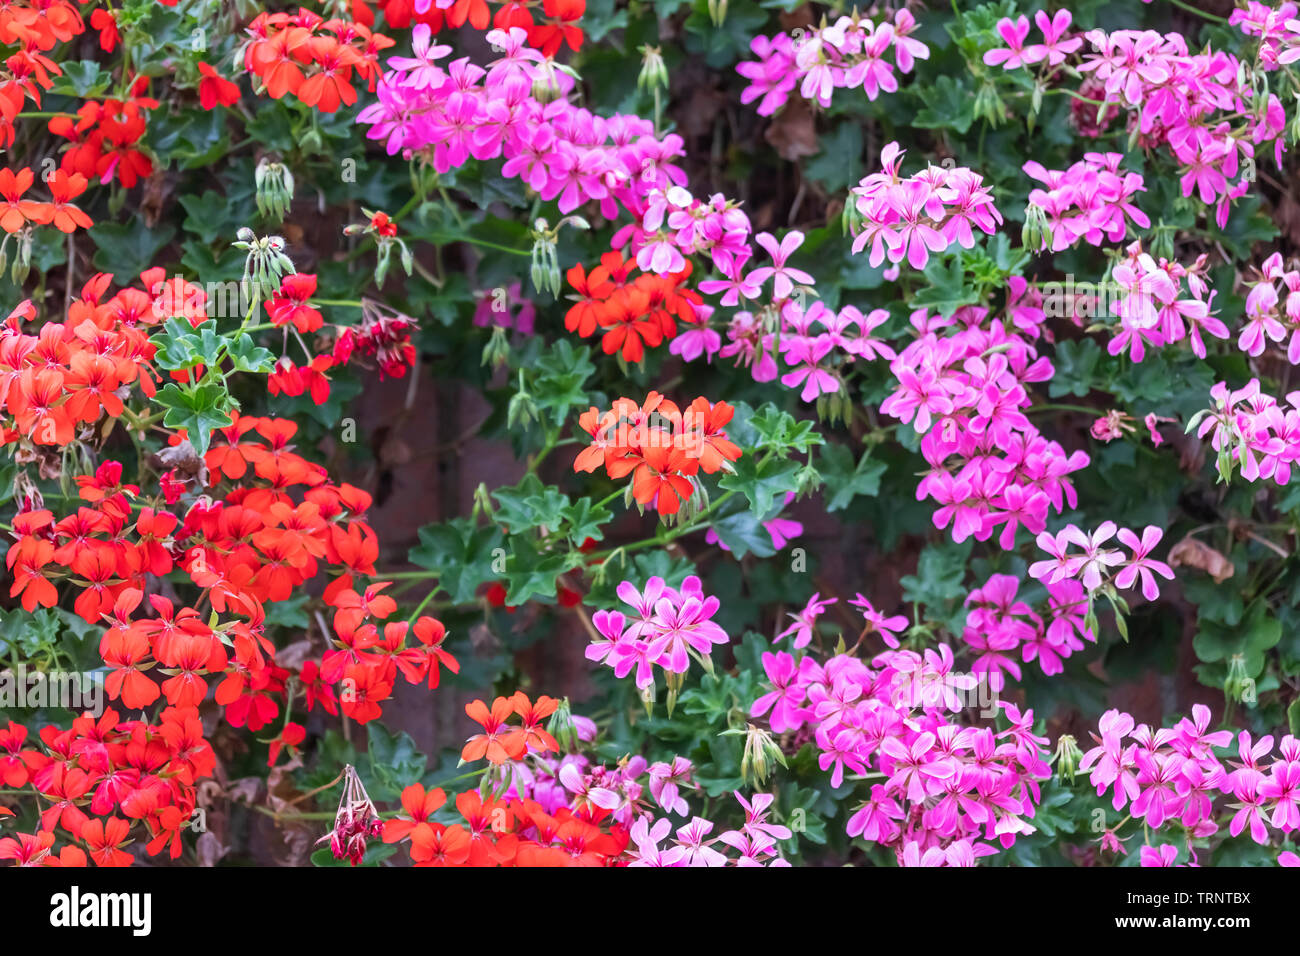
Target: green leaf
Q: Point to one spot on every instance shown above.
(395, 762)
(844, 480)
(761, 481)
(127, 249)
(559, 379)
(948, 289)
(949, 104)
(781, 432)
(246, 356)
(461, 554)
(198, 409)
(182, 346)
(583, 520)
(207, 216)
(839, 164)
(744, 534)
(1257, 633)
(1074, 362)
(940, 573)
(530, 504)
(531, 573)
(85, 79)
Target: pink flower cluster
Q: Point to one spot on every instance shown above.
(1172, 775)
(1182, 101)
(816, 345)
(1150, 309)
(1091, 200)
(998, 625)
(964, 393)
(1253, 431)
(848, 54)
(946, 788)
(1268, 316)
(563, 152)
(1185, 102)
(668, 627)
(754, 842)
(1057, 43)
(570, 155)
(1092, 565)
(1278, 31)
(805, 621)
(928, 212)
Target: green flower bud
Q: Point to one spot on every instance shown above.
(497, 351)
(1239, 685)
(654, 72)
(1067, 757)
(561, 727)
(274, 190)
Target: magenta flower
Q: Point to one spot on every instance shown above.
(916, 770)
(1141, 565)
(1095, 560)
(1163, 855)
(665, 778)
(693, 838)
(806, 620)
(787, 695)
(877, 623)
(1054, 48)
(647, 840)
(1014, 35)
(784, 277)
(421, 71)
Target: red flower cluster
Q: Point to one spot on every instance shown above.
(289, 304)
(501, 740)
(364, 663)
(104, 138)
(503, 832)
(634, 313)
(17, 213)
(70, 373)
(35, 27)
(659, 445)
(145, 771)
(386, 338)
(256, 545)
(312, 58)
(554, 24)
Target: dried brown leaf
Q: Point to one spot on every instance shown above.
(1193, 553)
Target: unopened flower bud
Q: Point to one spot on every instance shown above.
(562, 727)
(654, 73)
(1067, 757)
(761, 752)
(1239, 685)
(1035, 234)
(274, 190)
(522, 409)
(497, 351)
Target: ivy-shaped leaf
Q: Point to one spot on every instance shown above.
(199, 409)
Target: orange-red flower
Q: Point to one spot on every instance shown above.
(662, 448)
(635, 314)
(499, 741)
(214, 89)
